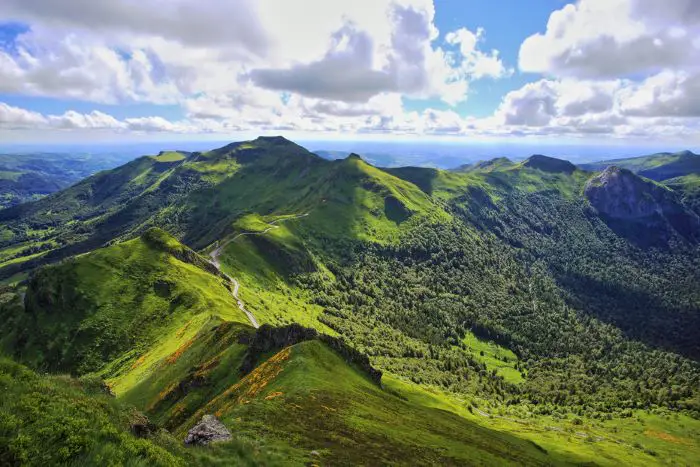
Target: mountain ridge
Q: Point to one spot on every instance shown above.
(489, 299)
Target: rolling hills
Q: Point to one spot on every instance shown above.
(521, 313)
(28, 177)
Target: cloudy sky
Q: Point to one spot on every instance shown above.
(592, 70)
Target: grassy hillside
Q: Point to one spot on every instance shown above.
(306, 399)
(515, 323)
(32, 176)
(57, 420)
(135, 301)
(659, 167)
(181, 192)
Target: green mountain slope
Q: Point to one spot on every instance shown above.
(512, 317)
(144, 297)
(348, 199)
(28, 177)
(659, 167)
(59, 420)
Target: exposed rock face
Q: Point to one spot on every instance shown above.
(208, 430)
(621, 194)
(631, 202)
(549, 164)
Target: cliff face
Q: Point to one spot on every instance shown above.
(630, 202)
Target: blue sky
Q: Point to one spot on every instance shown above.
(587, 71)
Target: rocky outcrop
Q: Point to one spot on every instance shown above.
(549, 164)
(208, 430)
(633, 202)
(621, 194)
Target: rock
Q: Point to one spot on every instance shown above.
(639, 208)
(208, 430)
(621, 194)
(141, 426)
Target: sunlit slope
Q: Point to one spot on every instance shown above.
(119, 309)
(55, 420)
(307, 398)
(198, 197)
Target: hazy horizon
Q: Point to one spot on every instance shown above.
(446, 155)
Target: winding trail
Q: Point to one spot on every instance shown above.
(214, 255)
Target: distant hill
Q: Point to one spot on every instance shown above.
(679, 171)
(31, 176)
(659, 167)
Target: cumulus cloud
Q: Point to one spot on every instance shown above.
(362, 63)
(15, 118)
(667, 94)
(474, 62)
(48, 64)
(205, 23)
(345, 73)
(614, 38)
(197, 54)
(617, 67)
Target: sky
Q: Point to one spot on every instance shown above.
(586, 72)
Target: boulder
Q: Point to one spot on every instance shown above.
(208, 430)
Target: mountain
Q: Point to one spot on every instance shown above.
(549, 164)
(659, 167)
(640, 206)
(333, 312)
(28, 177)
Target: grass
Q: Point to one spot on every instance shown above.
(306, 398)
(120, 304)
(495, 357)
(169, 156)
(261, 270)
(642, 439)
(62, 421)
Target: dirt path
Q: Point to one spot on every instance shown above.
(214, 255)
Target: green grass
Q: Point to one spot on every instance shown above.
(261, 269)
(306, 398)
(169, 156)
(104, 310)
(62, 421)
(495, 357)
(10, 175)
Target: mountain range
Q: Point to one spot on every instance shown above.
(329, 312)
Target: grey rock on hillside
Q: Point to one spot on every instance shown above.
(208, 430)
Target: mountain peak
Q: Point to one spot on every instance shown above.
(549, 164)
(686, 153)
(620, 193)
(354, 157)
(276, 140)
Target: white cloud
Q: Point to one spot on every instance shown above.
(668, 94)
(197, 54)
(619, 67)
(474, 62)
(94, 120)
(614, 38)
(15, 118)
(54, 65)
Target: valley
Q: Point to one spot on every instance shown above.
(330, 312)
